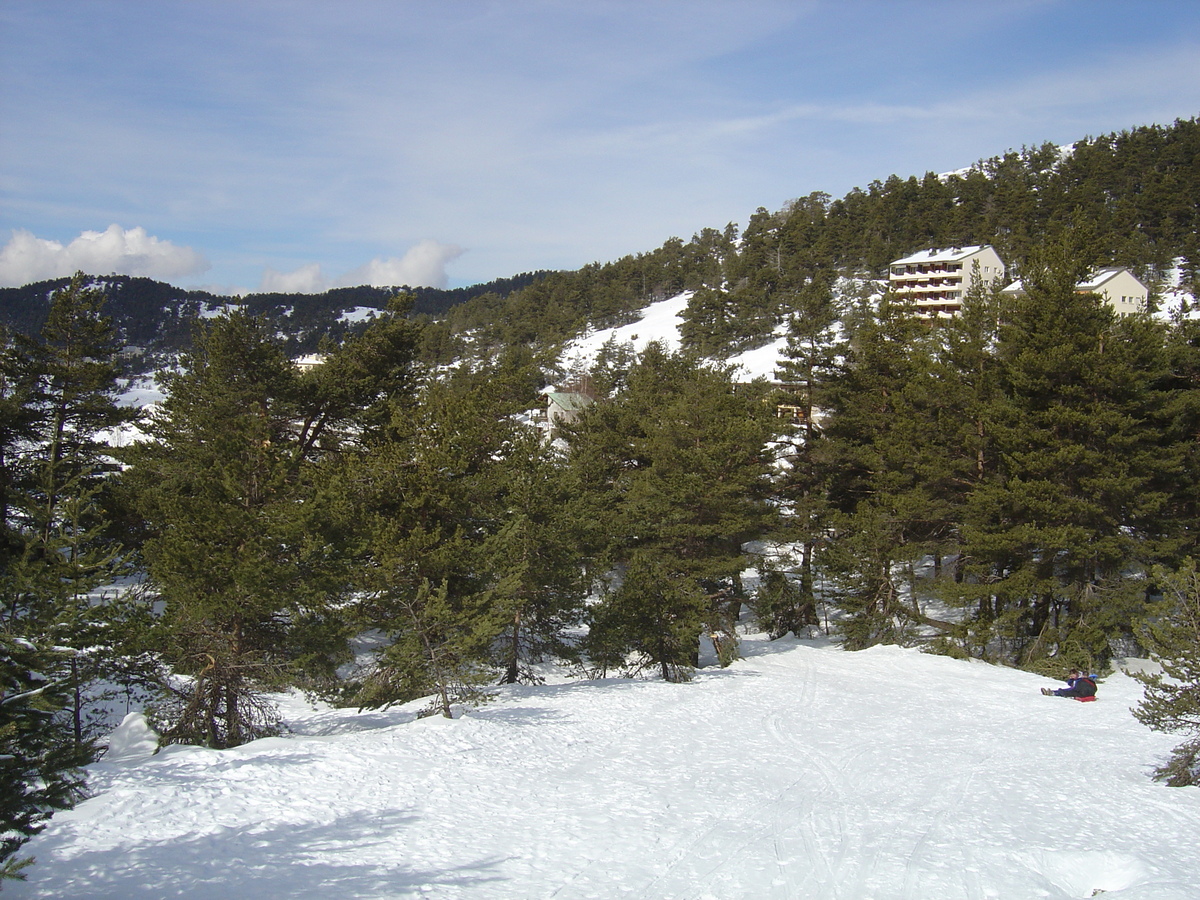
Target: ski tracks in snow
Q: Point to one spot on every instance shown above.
(833, 830)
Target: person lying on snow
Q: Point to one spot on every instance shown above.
(1079, 686)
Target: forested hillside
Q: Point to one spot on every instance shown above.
(1019, 484)
(1130, 197)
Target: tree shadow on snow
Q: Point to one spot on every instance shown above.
(279, 863)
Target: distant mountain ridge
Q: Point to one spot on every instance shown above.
(158, 317)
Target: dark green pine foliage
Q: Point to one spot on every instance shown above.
(538, 572)
(62, 479)
(1171, 634)
(60, 395)
(56, 395)
(432, 503)
(710, 323)
(671, 480)
(39, 759)
(888, 472)
(18, 425)
(784, 603)
(247, 540)
(59, 400)
(756, 278)
(808, 362)
(1180, 423)
(223, 493)
(968, 376)
(1077, 499)
(656, 613)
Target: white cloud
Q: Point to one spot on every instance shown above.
(26, 257)
(423, 265)
(304, 280)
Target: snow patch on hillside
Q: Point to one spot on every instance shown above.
(358, 314)
(659, 321)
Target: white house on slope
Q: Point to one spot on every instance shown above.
(564, 407)
(1120, 289)
(935, 281)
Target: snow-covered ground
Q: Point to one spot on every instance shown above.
(802, 771)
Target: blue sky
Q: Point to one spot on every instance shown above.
(301, 145)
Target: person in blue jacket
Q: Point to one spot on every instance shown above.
(1078, 686)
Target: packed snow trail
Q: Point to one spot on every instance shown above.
(800, 772)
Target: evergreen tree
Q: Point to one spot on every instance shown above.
(1077, 496)
(808, 363)
(968, 375)
(1172, 702)
(438, 647)
(780, 604)
(57, 397)
(886, 471)
(538, 573)
(39, 760)
(248, 545)
(673, 473)
(60, 406)
(1180, 421)
(430, 498)
(18, 423)
(656, 614)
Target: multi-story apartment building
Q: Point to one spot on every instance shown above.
(935, 281)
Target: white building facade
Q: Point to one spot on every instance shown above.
(1118, 287)
(935, 281)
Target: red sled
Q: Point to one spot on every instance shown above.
(1091, 699)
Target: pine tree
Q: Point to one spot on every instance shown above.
(1180, 420)
(538, 573)
(780, 604)
(438, 648)
(886, 471)
(430, 500)
(248, 543)
(1172, 702)
(1077, 496)
(60, 406)
(656, 613)
(673, 472)
(57, 397)
(808, 363)
(40, 762)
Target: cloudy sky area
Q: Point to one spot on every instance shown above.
(299, 145)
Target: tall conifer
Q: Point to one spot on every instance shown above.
(673, 474)
(1077, 494)
(248, 542)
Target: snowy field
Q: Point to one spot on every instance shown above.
(802, 771)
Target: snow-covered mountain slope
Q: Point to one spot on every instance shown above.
(802, 771)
